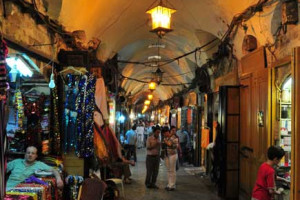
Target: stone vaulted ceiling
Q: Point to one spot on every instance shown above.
(123, 28)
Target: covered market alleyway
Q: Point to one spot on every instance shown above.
(188, 186)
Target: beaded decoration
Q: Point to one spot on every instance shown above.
(85, 103)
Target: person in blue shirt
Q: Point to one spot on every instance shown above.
(131, 139)
(23, 168)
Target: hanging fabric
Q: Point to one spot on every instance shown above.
(33, 111)
(56, 136)
(70, 113)
(3, 71)
(3, 87)
(204, 138)
(2, 149)
(101, 103)
(85, 103)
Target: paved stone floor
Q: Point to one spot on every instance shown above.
(189, 187)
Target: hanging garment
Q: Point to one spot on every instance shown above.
(33, 111)
(70, 113)
(110, 141)
(3, 71)
(100, 145)
(101, 103)
(2, 149)
(85, 103)
(55, 130)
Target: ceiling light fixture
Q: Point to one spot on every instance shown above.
(52, 82)
(21, 63)
(157, 46)
(150, 96)
(161, 18)
(152, 85)
(158, 74)
(147, 102)
(156, 57)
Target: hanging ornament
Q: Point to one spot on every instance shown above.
(56, 133)
(20, 109)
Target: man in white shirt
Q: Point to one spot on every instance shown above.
(140, 129)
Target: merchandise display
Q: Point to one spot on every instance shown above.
(85, 104)
(285, 121)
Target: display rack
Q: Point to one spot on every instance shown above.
(285, 129)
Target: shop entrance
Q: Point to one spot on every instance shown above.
(282, 106)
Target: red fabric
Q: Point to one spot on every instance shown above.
(189, 116)
(111, 142)
(265, 180)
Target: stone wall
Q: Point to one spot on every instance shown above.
(23, 29)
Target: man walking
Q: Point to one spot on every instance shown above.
(131, 139)
(184, 143)
(152, 159)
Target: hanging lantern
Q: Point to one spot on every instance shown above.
(152, 85)
(150, 96)
(144, 109)
(158, 75)
(147, 102)
(161, 18)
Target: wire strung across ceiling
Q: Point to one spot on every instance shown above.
(165, 62)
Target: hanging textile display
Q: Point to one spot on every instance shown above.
(3, 87)
(3, 71)
(101, 113)
(20, 109)
(33, 111)
(56, 137)
(189, 116)
(85, 103)
(204, 138)
(2, 149)
(109, 152)
(70, 113)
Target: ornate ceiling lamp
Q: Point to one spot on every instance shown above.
(161, 18)
(158, 74)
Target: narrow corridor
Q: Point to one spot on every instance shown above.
(188, 186)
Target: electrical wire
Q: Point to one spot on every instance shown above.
(117, 19)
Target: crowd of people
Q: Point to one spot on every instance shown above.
(162, 144)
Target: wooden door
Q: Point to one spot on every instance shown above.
(295, 188)
(229, 119)
(255, 132)
(245, 137)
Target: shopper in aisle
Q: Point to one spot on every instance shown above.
(140, 129)
(152, 159)
(170, 146)
(184, 141)
(131, 140)
(23, 168)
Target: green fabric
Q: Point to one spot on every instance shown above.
(19, 171)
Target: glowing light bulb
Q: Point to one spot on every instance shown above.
(52, 83)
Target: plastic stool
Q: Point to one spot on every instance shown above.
(118, 181)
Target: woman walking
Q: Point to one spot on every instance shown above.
(170, 145)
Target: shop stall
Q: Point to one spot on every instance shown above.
(282, 106)
(32, 120)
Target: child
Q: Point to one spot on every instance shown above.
(264, 188)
